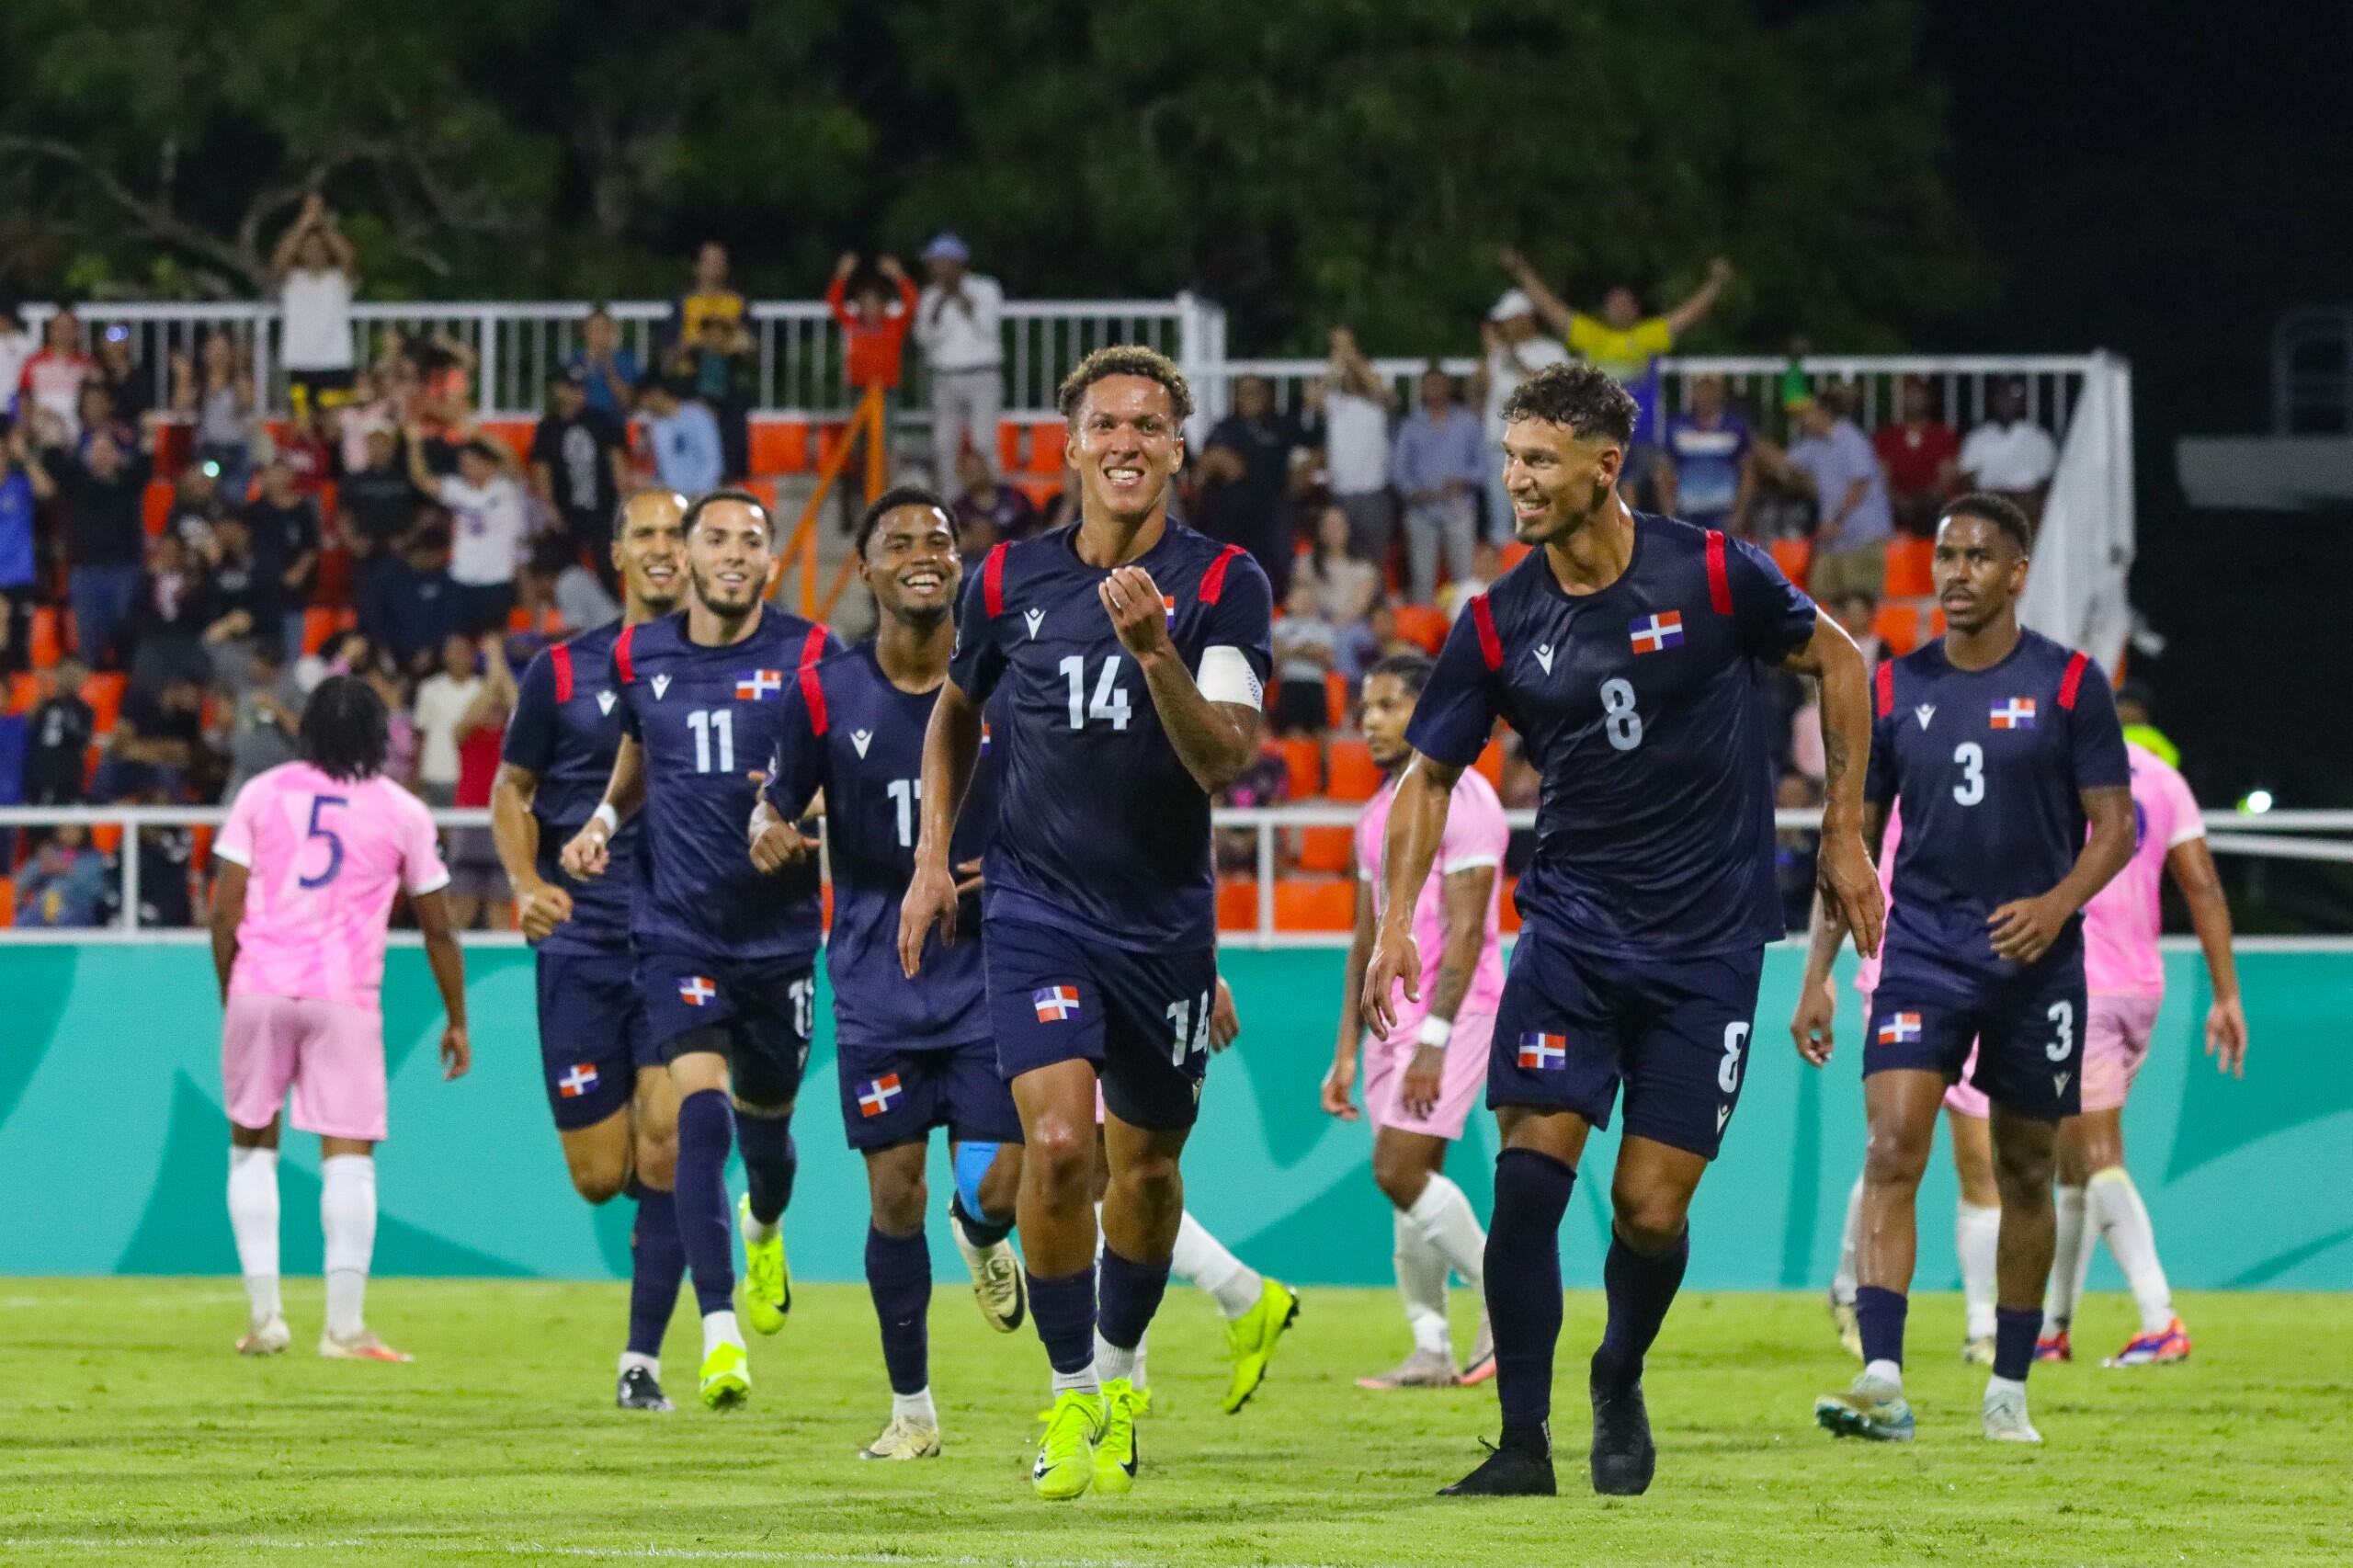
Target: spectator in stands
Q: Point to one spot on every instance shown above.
(1306, 649)
(710, 298)
(1438, 464)
(61, 726)
(158, 743)
(1833, 463)
(717, 370)
(268, 715)
(318, 269)
(105, 532)
(2010, 454)
(170, 620)
(242, 604)
(52, 377)
(608, 371)
(580, 465)
(67, 882)
(16, 346)
(478, 890)
(874, 319)
(285, 528)
(490, 519)
(1486, 565)
(577, 595)
(1351, 414)
(987, 510)
(1245, 478)
(19, 511)
(167, 851)
(301, 445)
(1346, 586)
(376, 506)
(1794, 849)
(1621, 341)
(444, 698)
(116, 367)
(957, 323)
(97, 413)
(1918, 451)
(410, 604)
(432, 378)
(1709, 446)
(197, 506)
(366, 411)
(683, 437)
(1512, 348)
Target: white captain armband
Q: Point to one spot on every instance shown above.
(1225, 676)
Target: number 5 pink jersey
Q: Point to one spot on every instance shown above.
(2121, 922)
(325, 859)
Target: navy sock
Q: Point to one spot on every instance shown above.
(706, 1229)
(1879, 1315)
(1063, 1311)
(1132, 1293)
(898, 1275)
(1640, 1290)
(770, 1162)
(2014, 1331)
(1523, 1279)
(657, 1261)
(980, 1232)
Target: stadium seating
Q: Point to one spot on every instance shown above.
(1325, 849)
(1303, 760)
(1237, 903)
(1352, 773)
(1425, 626)
(1323, 904)
(1911, 568)
(1794, 556)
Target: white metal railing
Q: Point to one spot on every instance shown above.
(2274, 835)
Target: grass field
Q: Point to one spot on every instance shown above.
(131, 1434)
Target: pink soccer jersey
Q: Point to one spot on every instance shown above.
(325, 859)
(2121, 923)
(1475, 836)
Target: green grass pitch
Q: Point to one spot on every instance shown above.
(129, 1433)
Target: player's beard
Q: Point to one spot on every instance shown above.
(733, 613)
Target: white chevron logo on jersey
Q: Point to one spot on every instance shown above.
(1036, 618)
(1544, 657)
(603, 702)
(661, 684)
(1925, 711)
(861, 739)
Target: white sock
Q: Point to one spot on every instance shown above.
(1110, 1361)
(1202, 1259)
(651, 1365)
(2067, 1259)
(917, 1406)
(719, 1328)
(1884, 1372)
(1084, 1381)
(2005, 1385)
(253, 1216)
(1421, 1283)
(1443, 1216)
(1976, 1236)
(2116, 1208)
(1842, 1284)
(347, 1215)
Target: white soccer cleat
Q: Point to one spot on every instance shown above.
(904, 1438)
(266, 1338)
(366, 1347)
(2005, 1418)
(997, 1281)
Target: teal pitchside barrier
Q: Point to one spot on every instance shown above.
(111, 1137)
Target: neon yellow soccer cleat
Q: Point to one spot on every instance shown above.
(1251, 1339)
(727, 1377)
(1115, 1452)
(1066, 1466)
(767, 1278)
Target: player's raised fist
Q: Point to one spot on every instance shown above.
(1138, 613)
(586, 856)
(777, 843)
(541, 908)
(1396, 959)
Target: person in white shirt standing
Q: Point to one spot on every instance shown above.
(956, 323)
(490, 519)
(316, 270)
(1514, 349)
(1356, 405)
(2010, 454)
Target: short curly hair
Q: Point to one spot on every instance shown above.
(1578, 396)
(1125, 359)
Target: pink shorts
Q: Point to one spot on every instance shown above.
(2116, 1041)
(1965, 1098)
(1459, 1085)
(330, 1053)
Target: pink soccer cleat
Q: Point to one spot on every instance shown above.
(2054, 1346)
(2161, 1348)
(366, 1347)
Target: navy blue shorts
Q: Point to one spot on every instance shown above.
(1141, 1018)
(765, 1008)
(1572, 1026)
(2027, 1028)
(891, 1094)
(592, 1041)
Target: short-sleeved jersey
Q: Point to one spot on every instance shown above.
(1989, 766)
(565, 728)
(848, 731)
(1475, 836)
(709, 720)
(2121, 922)
(1101, 831)
(323, 859)
(1641, 707)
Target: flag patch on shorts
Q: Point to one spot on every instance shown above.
(577, 1081)
(1542, 1053)
(876, 1097)
(694, 991)
(1055, 1004)
(1900, 1028)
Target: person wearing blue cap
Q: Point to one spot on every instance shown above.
(956, 323)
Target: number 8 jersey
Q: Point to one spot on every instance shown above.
(1101, 831)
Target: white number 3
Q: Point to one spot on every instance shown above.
(2062, 1015)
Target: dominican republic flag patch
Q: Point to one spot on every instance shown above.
(2018, 713)
(1055, 1004)
(577, 1081)
(1654, 633)
(876, 1097)
(1900, 1028)
(694, 991)
(1168, 608)
(759, 685)
(1542, 1053)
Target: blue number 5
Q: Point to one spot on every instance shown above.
(334, 839)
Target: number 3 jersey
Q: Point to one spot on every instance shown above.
(1988, 766)
(1641, 707)
(1102, 833)
(708, 720)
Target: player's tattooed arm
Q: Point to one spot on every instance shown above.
(951, 749)
(1416, 826)
(584, 857)
(539, 905)
(1215, 741)
(2024, 929)
(1843, 866)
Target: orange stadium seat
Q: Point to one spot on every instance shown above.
(1515, 552)
(1794, 556)
(1354, 775)
(46, 642)
(1042, 491)
(7, 902)
(1046, 444)
(106, 837)
(515, 433)
(779, 446)
(1423, 625)
(1491, 762)
(318, 625)
(1911, 568)
(155, 506)
(104, 694)
(1898, 626)
(1321, 904)
(1008, 445)
(1325, 849)
(24, 691)
(1335, 698)
(1303, 760)
(1237, 903)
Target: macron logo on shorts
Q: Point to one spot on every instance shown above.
(576, 1083)
(694, 991)
(876, 1097)
(1543, 1052)
(1055, 1004)
(1900, 1029)
(1652, 634)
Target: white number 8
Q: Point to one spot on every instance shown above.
(2061, 1013)
(1623, 725)
(1728, 1070)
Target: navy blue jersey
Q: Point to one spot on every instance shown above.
(1102, 833)
(565, 728)
(1640, 706)
(709, 720)
(1989, 766)
(851, 733)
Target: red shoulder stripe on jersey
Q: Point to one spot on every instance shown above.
(1886, 682)
(812, 647)
(1718, 580)
(1213, 580)
(1491, 647)
(2073, 680)
(993, 582)
(622, 661)
(560, 658)
(812, 696)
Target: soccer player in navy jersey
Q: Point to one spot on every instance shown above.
(914, 1054)
(1627, 653)
(614, 1109)
(1126, 656)
(725, 956)
(2000, 746)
